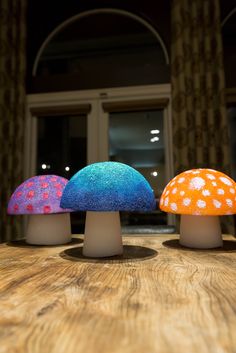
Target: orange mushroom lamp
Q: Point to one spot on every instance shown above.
(200, 196)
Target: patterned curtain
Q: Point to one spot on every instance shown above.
(198, 106)
(12, 103)
(200, 128)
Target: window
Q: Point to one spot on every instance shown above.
(137, 138)
(99, 49)
(61, 144)
(129, 125)
(113, 70)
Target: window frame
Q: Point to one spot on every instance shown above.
(93, 103)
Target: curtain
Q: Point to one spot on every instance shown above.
(200, 128)
(198, 105)
(12, 104)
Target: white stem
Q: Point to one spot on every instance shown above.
(53, 229)
(102, 236)
(202, 232)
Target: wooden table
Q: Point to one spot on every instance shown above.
(158, 298)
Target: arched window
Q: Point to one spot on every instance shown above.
(101, 48)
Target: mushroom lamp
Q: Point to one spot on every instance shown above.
(39, 197)
(103, 189)
(200, 196)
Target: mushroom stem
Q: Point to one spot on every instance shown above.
(50, 229)
(201, 232)
(102, 236)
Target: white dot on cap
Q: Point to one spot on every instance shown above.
(182, 193)
(186, 201)
(226, 181)
(232, 191)
(188, 172)
(172, 183)
(210, 176)
(181, 180)
(161, 201)
(166, 201)
(174, 191)
(220, 192)
(206, 192)
(229, 202)
(196, 172)
(197, 183)
(173, 206)
(212, 170)
(216, 203)
(214, 183)
(167, 192)
(201, 204)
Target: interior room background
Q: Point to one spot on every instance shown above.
(151, 84)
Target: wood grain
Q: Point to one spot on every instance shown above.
(158, 298)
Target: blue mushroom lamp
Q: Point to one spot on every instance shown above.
(102, 190)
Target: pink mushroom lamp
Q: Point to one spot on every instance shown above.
(200, 196)
(39, 197)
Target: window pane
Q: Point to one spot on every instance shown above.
(62, 142)
(62, 150)
(137, 139)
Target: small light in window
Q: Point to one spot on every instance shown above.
(154, 139)
(154, 174)
(67, 169)
(48, 166)
(44, 166)
(153, 132)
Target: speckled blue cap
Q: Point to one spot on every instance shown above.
(108, 186)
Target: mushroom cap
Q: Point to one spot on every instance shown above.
(38, 195)
(108, 186)
(204, 192)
